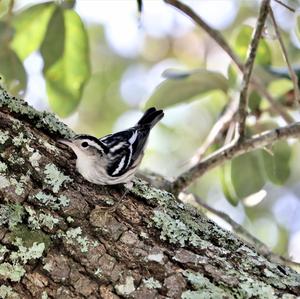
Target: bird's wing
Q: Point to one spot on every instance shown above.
(124, 148)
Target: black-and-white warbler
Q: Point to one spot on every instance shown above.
(113, 159)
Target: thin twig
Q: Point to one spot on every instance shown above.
(221, 124)
(215, 34)
(285, 5)
(274, 104)
(286, 58)
(10, 8)
(233, 150)
(248, 238)
(219, 39)
(242, 112)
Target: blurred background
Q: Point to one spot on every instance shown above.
(98, 64)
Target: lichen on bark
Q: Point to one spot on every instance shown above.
(58, 240)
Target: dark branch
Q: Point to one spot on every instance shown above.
(286, 58)
(286, 6)
(242, 112)
(229, 152)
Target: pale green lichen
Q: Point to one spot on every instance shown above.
(36, 221)
(29, 148)
(143, 189)
(48, 146)
(44, 295)
(13, 272)
(144, 235)
(175, 230)
(152, 283)
(11, 214)
(3, 251)
(74, 236)
(19, 184)
(197, 295)
(95, 243)
(19, 140)
(98, 272)
(55, 178)
(3, 167)
(16, 160)
(51, 201)
(45, 120)
(251, 288)
(127, 288)
(4, 182)
(34, 159)
(204, 288)
(48, 267)
(155, 257)
(7, 292)
(17, 125)
(25, 254)
(70, 219)
(4, 136)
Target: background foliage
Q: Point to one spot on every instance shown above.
(97, 63)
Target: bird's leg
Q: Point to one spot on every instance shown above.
(128, 186)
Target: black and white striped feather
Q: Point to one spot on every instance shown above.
(117, 155)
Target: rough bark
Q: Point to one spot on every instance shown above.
(57, 240)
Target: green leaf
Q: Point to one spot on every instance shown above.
(254, 101)
(4, 4)
(232, 73)
(226, 183)
(297, 24)
(66, 60)
(246, 174)
(280, 87)
(12, 70)
(30, 27)
(242, 42)
(277, 164)
(184, 86)
(52, 48)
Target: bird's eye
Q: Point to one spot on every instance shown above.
(84, 144)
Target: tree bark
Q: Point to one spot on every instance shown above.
(59, 240)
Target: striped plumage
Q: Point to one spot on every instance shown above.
(113, 159)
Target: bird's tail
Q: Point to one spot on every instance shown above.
(151, 117)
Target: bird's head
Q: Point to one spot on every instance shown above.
(85, 146)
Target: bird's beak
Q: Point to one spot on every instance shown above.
(65, 141)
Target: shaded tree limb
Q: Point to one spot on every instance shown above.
(245, 235)
(219, 39)
(242, 111)
(229, 152)
(286, 58)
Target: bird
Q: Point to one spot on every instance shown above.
(115, 158)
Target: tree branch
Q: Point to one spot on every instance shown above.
(229, 152)
(222, 123)
(285, 5)
(219, 39)
(286, 58)
(242, 112)
(245, 235)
